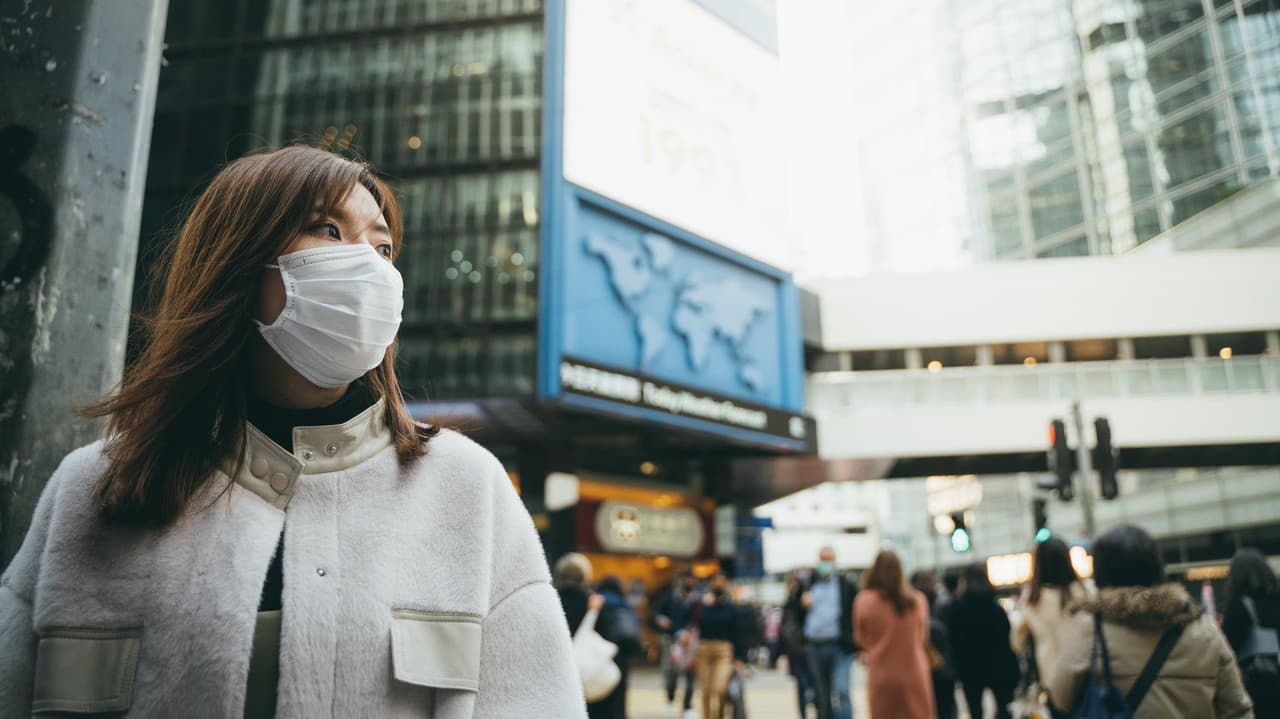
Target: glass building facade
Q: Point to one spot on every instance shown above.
(442, 96)
(1045, 128)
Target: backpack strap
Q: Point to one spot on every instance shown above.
(1100, 650)
(1149, 673)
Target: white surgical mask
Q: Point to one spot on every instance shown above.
(341, 312)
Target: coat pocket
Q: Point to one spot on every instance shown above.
(436, 649)
(85, 670)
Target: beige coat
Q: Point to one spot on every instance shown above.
(1048, 622)
(417, 591)
(1200, 679)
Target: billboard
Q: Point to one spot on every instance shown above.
(676, 112)
(658, 299)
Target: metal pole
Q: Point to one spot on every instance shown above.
(79, 79)
(1084, 463)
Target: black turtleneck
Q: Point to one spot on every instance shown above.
(278, 423)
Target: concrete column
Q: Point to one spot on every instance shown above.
(1124, 349)
(986, 356)
(1057, 352)
(79, 95)
(1273, 343)
(1199, 346)
(915, 359)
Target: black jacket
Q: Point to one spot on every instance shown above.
(980, 647)
(674, 607)
(723, 621)
(848, 591)
(574, 600)
(1236, 623)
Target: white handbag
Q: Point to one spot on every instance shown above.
(594, 655)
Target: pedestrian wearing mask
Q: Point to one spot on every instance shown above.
(828, 635)
(1045, 618)
(264, 524)
(670, 619)
(979, 631)
(722, 647)
(1135, 611)
(1253, 612)
(891, 625)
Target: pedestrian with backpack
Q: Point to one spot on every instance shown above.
(620, 624)
(1250, 623)
(1141, 648)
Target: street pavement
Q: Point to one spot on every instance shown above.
(770, 695)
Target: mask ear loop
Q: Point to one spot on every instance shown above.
(256, 321)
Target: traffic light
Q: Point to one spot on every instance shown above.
(960, 542)
(1106, 459)
(1039, 509)
(1061, 462)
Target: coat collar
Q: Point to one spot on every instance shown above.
(1154, 608)
(271, 472)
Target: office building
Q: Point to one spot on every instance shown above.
(1050, 128)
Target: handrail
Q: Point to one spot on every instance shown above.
(1046, 381)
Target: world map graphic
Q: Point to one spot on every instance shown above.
(704, 314)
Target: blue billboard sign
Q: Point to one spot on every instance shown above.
(642, 319)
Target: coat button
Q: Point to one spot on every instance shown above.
(320, 571)
(308, 455)
(279, 482)
(258, 467)
(331, 450)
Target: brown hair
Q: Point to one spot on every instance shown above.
(885, 577)
(191, 379)
(1052, 568)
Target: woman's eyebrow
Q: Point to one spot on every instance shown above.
(340, 214)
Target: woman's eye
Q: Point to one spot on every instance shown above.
(329, 229)
(385, 251)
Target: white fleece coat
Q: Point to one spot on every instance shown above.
(445, 544)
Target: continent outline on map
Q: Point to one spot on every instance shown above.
(703, 312)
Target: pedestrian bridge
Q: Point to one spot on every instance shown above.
(962, 419)
(962, 371)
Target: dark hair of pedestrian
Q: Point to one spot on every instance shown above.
(1127, 557)
(610, 583)
(925, 582)
(951, 580)
(976, 581)
(886, 578)
(1250, 576)
(178, 415)
(1052, 568)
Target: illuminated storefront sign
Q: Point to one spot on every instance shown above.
(629, 528)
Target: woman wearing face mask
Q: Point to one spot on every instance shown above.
(722, 646)
(264, 528)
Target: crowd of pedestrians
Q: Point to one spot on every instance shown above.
(1124, 640)
(704, 638)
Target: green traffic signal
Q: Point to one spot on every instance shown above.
(1043, 534)
(960, 540)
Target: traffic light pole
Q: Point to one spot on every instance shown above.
(1084, 463)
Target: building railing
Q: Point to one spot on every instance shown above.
(1045, 381)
